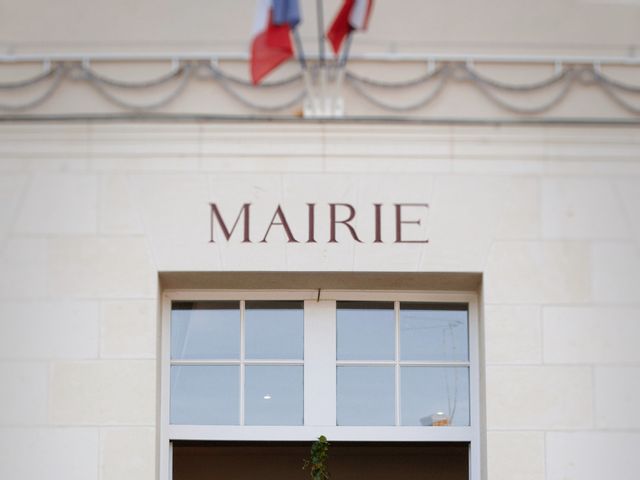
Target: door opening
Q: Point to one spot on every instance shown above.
(347, 460)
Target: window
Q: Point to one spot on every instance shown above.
(402, 363)
(236, 363)
(292, 365)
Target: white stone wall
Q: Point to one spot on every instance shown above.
(603, 27)
(90, 212)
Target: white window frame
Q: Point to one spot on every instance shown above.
(320, 376)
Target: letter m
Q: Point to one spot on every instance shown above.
(216, 217)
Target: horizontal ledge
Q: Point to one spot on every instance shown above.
(394, 281)
(355, 119)
(366, 57)
(310, 433)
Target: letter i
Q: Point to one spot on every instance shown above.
(312, 222)
(378, 216)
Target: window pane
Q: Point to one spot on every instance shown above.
(433, 332)
(366, 331)
(274, 330)
(205, 330)
(431, 394)
(365, 395)
(273, 395)
(205, 395)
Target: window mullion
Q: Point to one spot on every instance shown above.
(204, 362)
(320, 363)
(242, 305)
(433, 363)
(396, 306)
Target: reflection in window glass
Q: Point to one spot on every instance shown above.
(365, 331)
(273, 395)
(365, 395)
(434, 394)
(205, 330)
(274, 330)
(205, 395)
(433, 332)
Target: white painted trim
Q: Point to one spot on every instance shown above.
(309, 433)
(396, 315)
(165, 450)
(325, 368)
(170, 467)
(235, 362)
(237, 295)
(475, 463)
(242, 373)
(319, 363)
(404, 363)
(399, 295)
(204, 362)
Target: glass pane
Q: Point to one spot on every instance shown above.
(435, 395)
(366, 331)
(273, 395)
(366, 395)
(433, 332)
(205, 395)
(274, 330)
(205, 330)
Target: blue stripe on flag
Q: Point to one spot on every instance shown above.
(286, 11)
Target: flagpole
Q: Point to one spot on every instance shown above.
(341, 70)
(303, 63)
(345, 50)
(321, 107)
(320, 15)
(301, 57)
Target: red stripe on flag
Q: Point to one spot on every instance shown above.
(340, 27)
(269, 49)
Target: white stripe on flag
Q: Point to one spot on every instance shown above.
(261, 19)
(358, 15)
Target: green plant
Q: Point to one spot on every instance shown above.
(318, 462)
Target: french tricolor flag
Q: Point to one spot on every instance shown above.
(271, 44)
(354, 15)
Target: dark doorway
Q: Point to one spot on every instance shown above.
(347, 460)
